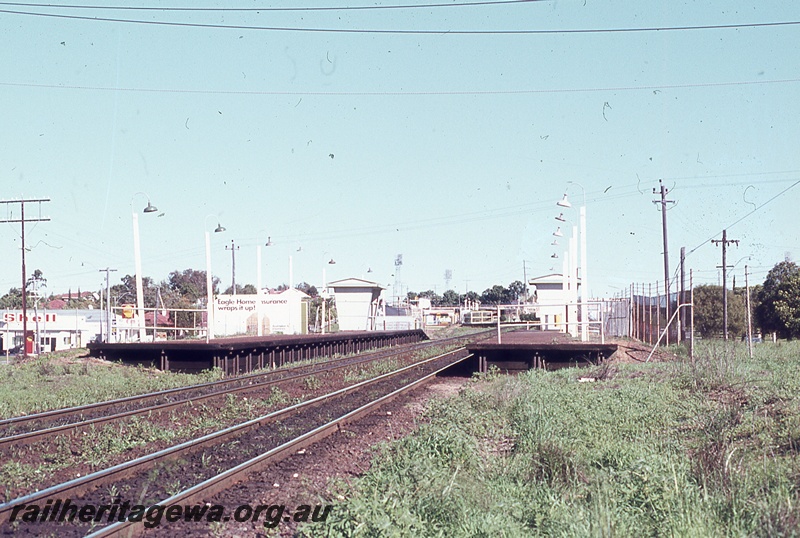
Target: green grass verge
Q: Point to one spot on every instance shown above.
(710, 448)
(57, 380)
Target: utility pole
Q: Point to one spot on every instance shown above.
(525, 282)
(664, 202)
(682, 314)
(22, 220)
(724, 242)
(749, 319)
(233, 248)
(108, 270)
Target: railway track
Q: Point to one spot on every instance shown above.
(216, 461)
(37, 427)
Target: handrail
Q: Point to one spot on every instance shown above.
(666, 328)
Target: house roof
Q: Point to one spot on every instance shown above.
(554, 278)
(354, 283)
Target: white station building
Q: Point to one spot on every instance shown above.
(357, 303)
(57, 329)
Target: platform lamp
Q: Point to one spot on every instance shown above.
(209, 280)
(137, 260)
(259, 284)
(324, 293)
(564, 202)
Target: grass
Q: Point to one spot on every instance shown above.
(59, 380)
(709, 448)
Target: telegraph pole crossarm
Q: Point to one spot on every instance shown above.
(22, 220)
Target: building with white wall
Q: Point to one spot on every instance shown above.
(550, 300)
(357, 303)
(57, 329)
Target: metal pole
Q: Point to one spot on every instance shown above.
(137, 259)
(209, 292)
(322, 295)
(584, 278)
(259, 310)
(573, 253)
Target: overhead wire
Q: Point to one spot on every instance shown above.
(404, 31)
(259, 9)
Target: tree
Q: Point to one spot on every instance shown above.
(516, 291)
(778, 310)
(191, 285)
(125, 293)
(12, 300)
(435, 299)
(451, 298)
(708, 315)
(494, 295)
(247, 289)
(308, 289)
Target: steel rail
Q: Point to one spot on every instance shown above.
(89, 482)
(315, 368)
(96, 406)
(224, 480)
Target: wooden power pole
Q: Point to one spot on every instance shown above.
(22, 220)
(724, 242)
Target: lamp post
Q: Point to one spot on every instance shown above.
(569, 273)
(583, 261)
(259, 330)
(137, 260)
(209, 283)
(324, 293)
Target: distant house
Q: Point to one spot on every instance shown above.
(60, 301)
(56, 304)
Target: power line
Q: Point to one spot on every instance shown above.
(784, 191)
(410, 93)
(271, 9)
(406, 32)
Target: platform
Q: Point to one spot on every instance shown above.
(522, 350)
(245, 354)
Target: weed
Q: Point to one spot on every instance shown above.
(312, 383)
(173, 488)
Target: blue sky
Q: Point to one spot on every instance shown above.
(450, 149)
